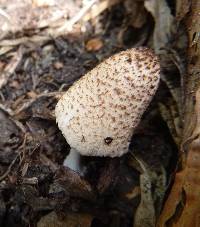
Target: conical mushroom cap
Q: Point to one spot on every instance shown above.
(99, 112)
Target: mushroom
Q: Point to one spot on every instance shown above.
(98, 113)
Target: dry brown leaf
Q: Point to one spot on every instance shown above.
(149, 180)
(58, 65)
(94, 44)
(74, 184)
(137, 11)
(32, 94)
(183, 204)
(182, 8)
(133, 193)
(14, 84)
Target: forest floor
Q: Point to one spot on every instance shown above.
(44, 47)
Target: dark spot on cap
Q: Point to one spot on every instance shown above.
(117, 90)
(129, 59)
(108, 140)
(151, 87)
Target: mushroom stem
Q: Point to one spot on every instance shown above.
(73, 160)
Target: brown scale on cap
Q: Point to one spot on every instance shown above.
(122, 96)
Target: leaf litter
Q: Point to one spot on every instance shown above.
(43, 52)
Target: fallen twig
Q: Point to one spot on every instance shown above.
(61, 27)
(31, 181)
(68, 26)
(45, 160)
(31, 101)
(6, 109)
(5, 15)
(10, 68)
(2, 177)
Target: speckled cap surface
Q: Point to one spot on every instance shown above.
(99, 112)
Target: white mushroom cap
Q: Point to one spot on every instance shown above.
(99, 112)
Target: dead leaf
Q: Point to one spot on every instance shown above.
(148, 209)
(94, 44)
(9, 133)
(58, 65)
(185, 193)
(14, 84)
(74, 184)
(65, 220)
(108, 176)
(137, 11)
(183, 203)
(133, 193)
(164, 23)
(32, 94)
(145, 213)
(182, 8)
(98, 8)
